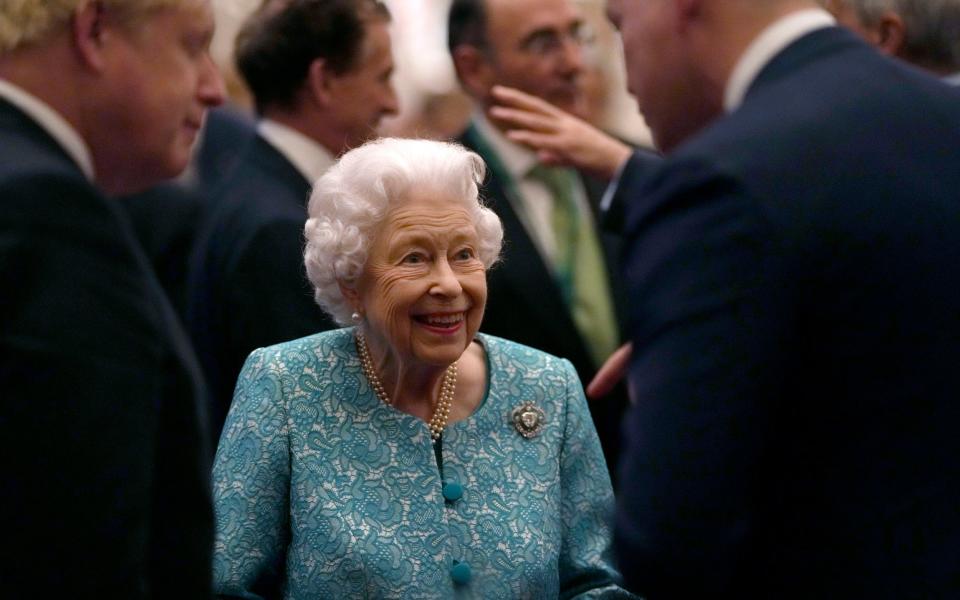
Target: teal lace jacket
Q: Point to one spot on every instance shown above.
(322, 491)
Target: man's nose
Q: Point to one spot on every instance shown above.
(391, 104)
(571, 56)
(212, 90)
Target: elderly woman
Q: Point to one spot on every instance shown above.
(408, 456)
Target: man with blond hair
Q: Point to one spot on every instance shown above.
(102, 437)
(925, 33)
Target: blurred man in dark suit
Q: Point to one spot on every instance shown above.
(925, 33)
(554, 289)
(105, 455)
(319, 71)
(167, 216)
(794, 286)
(226, 133)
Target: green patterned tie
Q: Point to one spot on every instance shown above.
(579, 266)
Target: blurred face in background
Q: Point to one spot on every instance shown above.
(159, 82)
(537, 46)
(364, 95)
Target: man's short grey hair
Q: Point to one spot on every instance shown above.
(932, 28)
(23, 22)
(350, 201)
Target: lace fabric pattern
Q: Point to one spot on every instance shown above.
(322, 491)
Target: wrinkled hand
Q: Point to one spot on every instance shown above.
(558, 137)
(610, 373)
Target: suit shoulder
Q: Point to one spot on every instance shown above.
(37, 177)
(27, 149)
(249, 200)
(253, 194)
(54, 200)
(24, 162)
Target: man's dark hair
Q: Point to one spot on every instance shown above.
(467, 24)
(277, 44)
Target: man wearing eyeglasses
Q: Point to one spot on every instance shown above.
(554, 289)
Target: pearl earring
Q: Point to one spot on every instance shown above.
(355, 317)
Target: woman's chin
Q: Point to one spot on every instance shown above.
(441, 349)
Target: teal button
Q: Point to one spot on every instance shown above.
(460, 573)
(452, 491)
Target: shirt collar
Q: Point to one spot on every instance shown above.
(773, 40)
(53, 123)
(952, 79)
(515, 158)
(307, 155)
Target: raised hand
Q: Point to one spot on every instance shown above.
(610, 373)
(558, 137)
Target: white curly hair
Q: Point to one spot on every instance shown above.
(352, 198)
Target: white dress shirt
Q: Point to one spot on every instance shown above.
(766, 46)
(303, 152)
(51, 122)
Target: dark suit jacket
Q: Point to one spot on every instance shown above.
(525, 304)
(248, 287)
(613, 215)
(103, 444)
(166, 217)
(794, 278)
(227, 132)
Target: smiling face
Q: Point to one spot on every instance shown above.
(423, 288)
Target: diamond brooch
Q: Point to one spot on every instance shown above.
(528, 419)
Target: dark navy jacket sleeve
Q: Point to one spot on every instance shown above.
(705, 295)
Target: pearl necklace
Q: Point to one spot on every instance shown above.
(441, 413)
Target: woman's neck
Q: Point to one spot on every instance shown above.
(415, 391)
(410, 386)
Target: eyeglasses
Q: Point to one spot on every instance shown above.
(551, 43)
